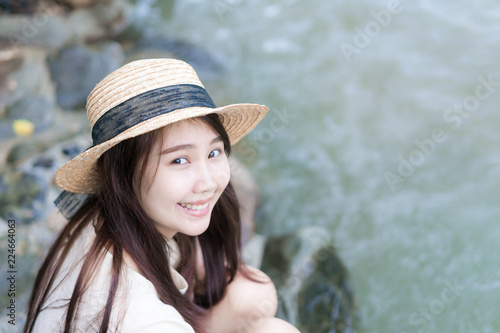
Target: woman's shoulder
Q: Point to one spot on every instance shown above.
(137, 307)
(146, 313)
(143, 311)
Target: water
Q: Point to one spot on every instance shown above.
(370, 143)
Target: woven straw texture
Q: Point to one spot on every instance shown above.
(79, 175)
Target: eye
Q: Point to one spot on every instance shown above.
(180, 160)
(214, 153)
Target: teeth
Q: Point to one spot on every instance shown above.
(194, 207)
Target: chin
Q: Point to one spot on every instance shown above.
(195, 231)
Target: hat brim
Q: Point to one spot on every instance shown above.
(79, 175)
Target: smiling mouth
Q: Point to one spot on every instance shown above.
(193, 207)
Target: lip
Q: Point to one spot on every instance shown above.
(196, 213)
(198, 203)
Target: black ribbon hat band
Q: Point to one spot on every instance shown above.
(146, 106)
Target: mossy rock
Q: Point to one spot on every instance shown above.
(18, 193)
(314, 289)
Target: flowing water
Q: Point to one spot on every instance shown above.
(384, 129)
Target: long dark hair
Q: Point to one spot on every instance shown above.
(123, 227)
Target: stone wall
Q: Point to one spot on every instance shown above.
(52, 53)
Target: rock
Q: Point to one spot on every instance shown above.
(6, 130)
(71, 150)
(25, 150)
(85, 26)
(76, 71)
(166, 7)
(32, 78)
(114, 16)
(206, 64)
(18, 6)
(47, 28)
(19, 193)
(253, 250)
(100, 22)
(27, 96)
(44, 162)
(10, 61)
(24, 153)
(27, 190)
(313, 285)
(38, 110)
(80, 3)
(8, 94)
(248, 196)
(53, 29)
(130, 35)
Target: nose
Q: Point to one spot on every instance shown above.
(206, 181)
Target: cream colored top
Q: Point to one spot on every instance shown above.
(137, 304)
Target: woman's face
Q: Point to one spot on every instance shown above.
(185, 179)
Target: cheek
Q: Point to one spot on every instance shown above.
(168, 188)
(223, 176)
(144, 179)
(158, 189)
(141, 188)
(161, 198)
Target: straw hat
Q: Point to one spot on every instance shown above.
(140, 97)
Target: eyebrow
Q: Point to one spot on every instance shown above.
(186, 146)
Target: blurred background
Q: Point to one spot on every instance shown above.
(383, 128)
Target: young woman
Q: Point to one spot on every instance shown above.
(153, 238)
